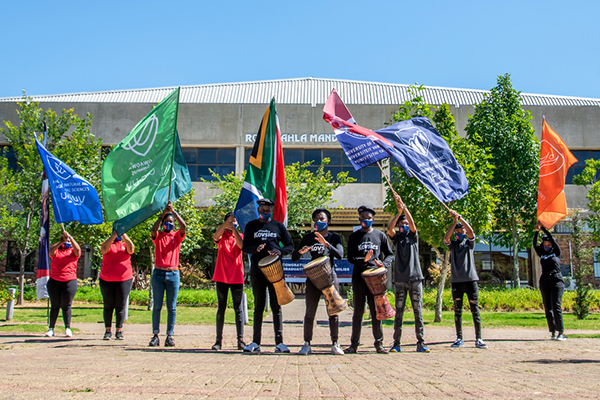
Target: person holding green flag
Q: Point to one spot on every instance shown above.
(165, 276)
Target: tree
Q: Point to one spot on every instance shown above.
(503, 129)
(431, 217)
(590, 179)
(70, 140)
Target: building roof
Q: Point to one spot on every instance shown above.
(311, 91)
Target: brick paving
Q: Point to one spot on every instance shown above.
(520, 364)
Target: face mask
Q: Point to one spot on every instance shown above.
(366, 223)
(118, 238)
(67, 245)
(460, 236)
(405, 228)
(235, 226)
(320, 226)
(548, 249)
(264, 217)
(168, 226)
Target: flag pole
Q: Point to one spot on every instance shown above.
(434, 195)
(387, 180)
(174, 143)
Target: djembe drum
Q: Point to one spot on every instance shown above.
(273, 269)
(376, 280)
(320, 274)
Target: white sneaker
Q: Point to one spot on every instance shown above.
(305, 350)
(561, 336)
(336, 349)
(68, 332)
(281, 348)
(480, 344)
(50, 333)
(252, 348)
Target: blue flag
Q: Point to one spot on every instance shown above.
(73, 198)
(180, 185)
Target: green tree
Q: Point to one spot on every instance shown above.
(589, 178)
(431, 217)
(503, 129)
(70, 140)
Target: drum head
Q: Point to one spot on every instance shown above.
(316, 261)
(375, 271)
(268, 260)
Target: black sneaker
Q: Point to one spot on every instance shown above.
(216, 346)
(350, 350)
(169, 342)
(107, 336)
(154, 342)
(119, 335)
(380, 349)
(241, 344)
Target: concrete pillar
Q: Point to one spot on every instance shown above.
(10, 306)
(87, 263)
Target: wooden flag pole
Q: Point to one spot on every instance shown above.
(387, 180)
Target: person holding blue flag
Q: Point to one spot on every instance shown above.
(62, 284)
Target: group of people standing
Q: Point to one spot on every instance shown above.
(367, 248)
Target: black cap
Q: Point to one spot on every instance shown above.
(459, 225)
(365, 208)
(321, 210)
(265, 202)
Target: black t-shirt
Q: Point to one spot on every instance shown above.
(550, 261)
(408, 265)
(272, 233)
(359, 245)
(335, 249)
(462, 260)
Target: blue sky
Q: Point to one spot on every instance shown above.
(51, 47)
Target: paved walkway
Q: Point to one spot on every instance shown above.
(520, 364)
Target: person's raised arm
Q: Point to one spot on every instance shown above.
(76, 248)
(450, 230)
(129, 246)
(105, 247)
(158, 222)
(470, 233)
(182, 225)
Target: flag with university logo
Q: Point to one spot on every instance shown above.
(142, 164)
(265, 176)
(73, 197)
(555, 161)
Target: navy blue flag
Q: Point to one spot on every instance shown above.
(43, 267)
(73, 198)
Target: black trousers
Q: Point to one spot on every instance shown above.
(237, 291)
(313, 295)
(61, 297)
(415, 290)
(552, 290)
(361, 293)
(472, 291)
(260, 285)
(115, 296)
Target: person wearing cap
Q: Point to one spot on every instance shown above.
(229, 275)
(263, 237)
(408, 277)
(165, 276)
(116, 277)
(367, 248)
(320, 243)
(552, 284)
(460, 240)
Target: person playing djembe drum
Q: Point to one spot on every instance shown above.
(265, 237)
(320, 243)
(367, 248)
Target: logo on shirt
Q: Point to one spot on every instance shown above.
(318, 248)
(264, 234)
(366, 246)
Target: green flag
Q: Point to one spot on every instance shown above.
(142, 163)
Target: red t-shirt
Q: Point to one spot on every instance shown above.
(230, 261)
(64, 265)
(166, 249)
(116, 264)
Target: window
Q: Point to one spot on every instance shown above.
(13, 259)
(201, 161)
(577, 168)
(338, 162)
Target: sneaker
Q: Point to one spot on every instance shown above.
(350, 350)
(554, 336)
(458, 343)
(169, 342)
(561, 336)
(281, 348)
(380, 349)
(396, 348)
(68, 332)
(50, 332)
(119, 335)
(305, 350)
(480, 344)
(154, 342)
(107, 335)
(216, 346)
(336, 349)
(252, 348)
(241, 344)
(423, 349)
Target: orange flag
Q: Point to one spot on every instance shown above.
(555, 161)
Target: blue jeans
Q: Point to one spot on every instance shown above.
(164, 281)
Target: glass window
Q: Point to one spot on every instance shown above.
(207, 156)
(335, 156)
(202, 160)
(226, 156)
(313, 155)
(190, 156)
(292, 156)
(371, 174)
